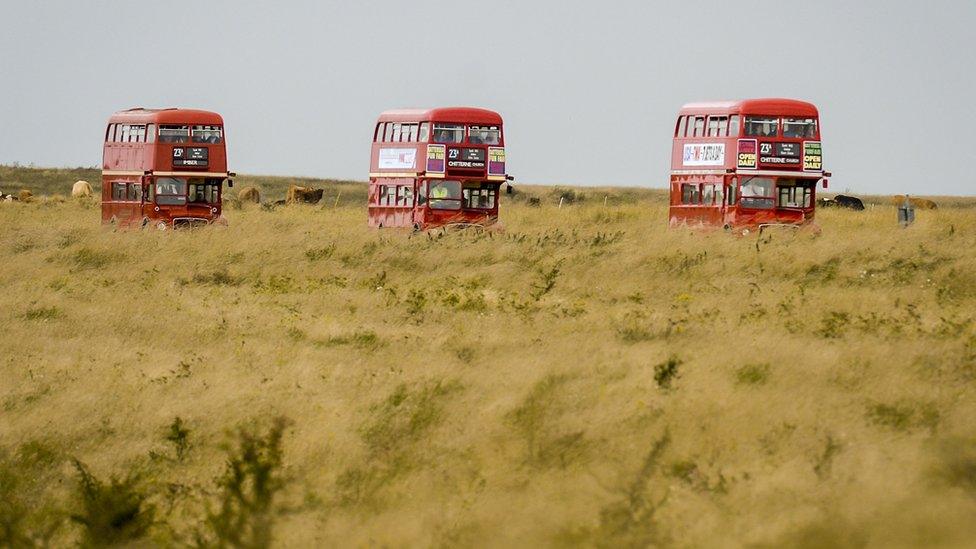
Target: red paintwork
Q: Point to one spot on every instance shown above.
(152, 158)
(728, 174)
(422, 216)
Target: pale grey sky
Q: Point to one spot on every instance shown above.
(588, 90)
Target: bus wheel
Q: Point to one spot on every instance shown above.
(727, 227)
(416, 227)
(380, 226)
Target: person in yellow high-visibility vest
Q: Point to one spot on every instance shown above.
(438, 191)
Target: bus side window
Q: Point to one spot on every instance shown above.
(148, 190)
(381, 196)
(388, 132)
(734, 126)
(731, 193)
(680, 128)
(108, 133)
(717, 125)
(391, 196)
(396, 133)
(424, 132)
(151, 133)
(422, 194)
(699, 126)
(135, 192)
(378, 132)
(404, 196)
(118, 191)
(708, 194)
(689, 193)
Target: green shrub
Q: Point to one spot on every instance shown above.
(248, 490)
(42, 314)
(666, 372)
(753, 374)
(113, 513)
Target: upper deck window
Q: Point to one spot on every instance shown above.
(698, 128)
(487, 135)
(208, 134)
(409, 133)
(680, 127)
(448, 133)
(800, 127)
(174, 134)
(424, 132)
(762, 126)
(718, 126)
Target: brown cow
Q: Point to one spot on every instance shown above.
(249, 194)
(303, 195)
(81, 189)
(25, 195)
(918, 203)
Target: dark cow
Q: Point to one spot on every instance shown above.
(843, 201)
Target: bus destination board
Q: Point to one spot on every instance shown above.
(191, 156)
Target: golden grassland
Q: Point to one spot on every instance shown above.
(583, 377)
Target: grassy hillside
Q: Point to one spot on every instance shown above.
(583, 377)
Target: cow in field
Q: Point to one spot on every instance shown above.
(918, 203)
(842, 201)
(81, 189)
(303, 195)
(249, 194)
(849, 202)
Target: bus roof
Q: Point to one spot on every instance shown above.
(467, 115)
(790, 107)
(140, 115)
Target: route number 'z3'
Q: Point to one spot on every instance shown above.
(453, 154)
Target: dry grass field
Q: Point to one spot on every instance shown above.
(585, 377)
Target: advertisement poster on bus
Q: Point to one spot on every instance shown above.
(748, 157)
(435, 158)
(812, 156)
(397, 159)
(496, 161)
(704, 154)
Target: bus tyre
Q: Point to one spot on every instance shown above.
(416, 227)
(380, 226)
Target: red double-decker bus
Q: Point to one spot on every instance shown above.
(163, 167)
(436, 167)
(746, 164)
